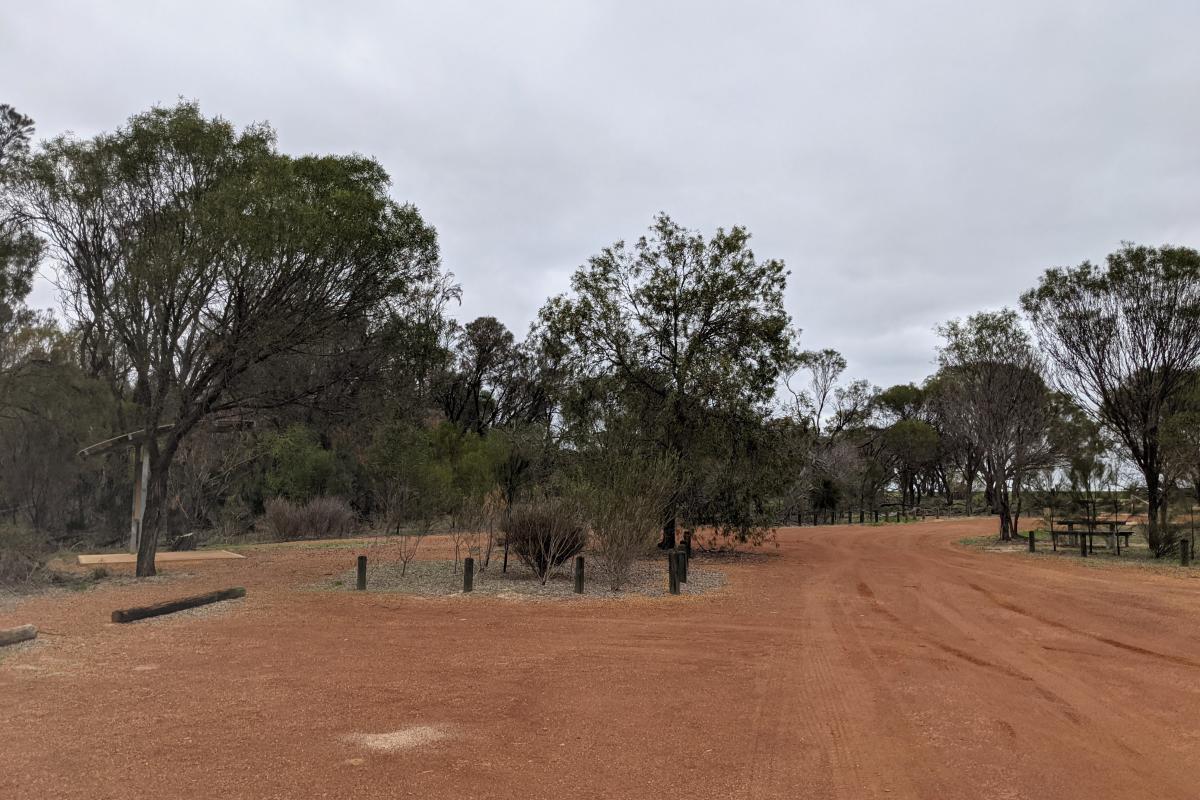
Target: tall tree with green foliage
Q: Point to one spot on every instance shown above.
(685, 333)
(20, 249)
(193, 254)
(1125, 340)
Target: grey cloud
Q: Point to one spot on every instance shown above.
(911, 162)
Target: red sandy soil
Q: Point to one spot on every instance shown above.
(851, 662)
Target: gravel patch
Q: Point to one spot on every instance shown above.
(646, 579)
(395, 741)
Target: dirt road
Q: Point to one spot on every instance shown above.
(848, 663)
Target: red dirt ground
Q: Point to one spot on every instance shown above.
(849, 663)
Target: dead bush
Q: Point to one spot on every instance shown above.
(319, 518)
(545, 533)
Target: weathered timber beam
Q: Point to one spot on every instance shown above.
(171, 606)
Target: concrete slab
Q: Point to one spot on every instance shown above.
(185, 555)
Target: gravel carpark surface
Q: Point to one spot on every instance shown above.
(851, 662)
(647, 578)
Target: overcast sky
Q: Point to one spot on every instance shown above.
(911, 162)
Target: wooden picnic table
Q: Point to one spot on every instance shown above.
(1089, 526)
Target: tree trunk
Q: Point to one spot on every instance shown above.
(668, 534)
(152, 520)
(155, 517)
(969, 489)
(1153, 529)
(1005, 513)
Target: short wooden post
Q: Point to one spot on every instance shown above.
(578, 574)
(876, 514)
(1185, 553)
(682, 568)
(1083, 545)
(362, 573)
(1032, 539)
(468, 574)
(672, 572)
(687, 543)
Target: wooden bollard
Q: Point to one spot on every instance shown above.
(1083, 544)
(682, 568)
(362, 574)
(21, 633)
(468, 574)
(1032, 542)
(578, 574)
(1185, 553)
(672, 572)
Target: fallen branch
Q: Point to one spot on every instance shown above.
(171, 606)
(21, 633)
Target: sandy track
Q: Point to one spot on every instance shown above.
(850, 663)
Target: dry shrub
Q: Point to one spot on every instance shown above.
(474, 524)
(626, 499)
(545, 533)
(23, 555)
(319, 518)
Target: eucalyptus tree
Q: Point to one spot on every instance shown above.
(493, 380)
(195, 257)
(689, 336)
(1125, 340)
(995, 393)
(19, 248)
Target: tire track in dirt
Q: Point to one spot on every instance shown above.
(1132, 648)
(1095, 740)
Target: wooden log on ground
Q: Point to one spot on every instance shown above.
(21, 633)
(171, 606)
